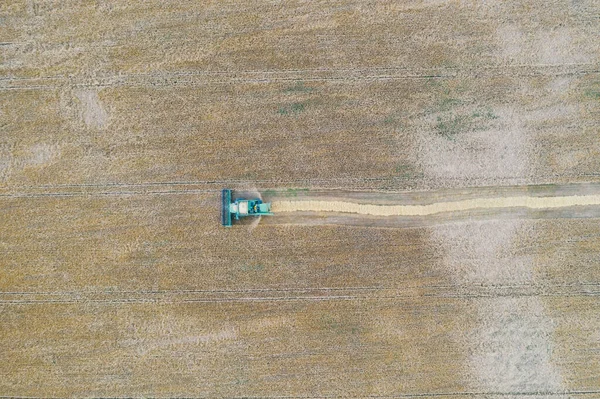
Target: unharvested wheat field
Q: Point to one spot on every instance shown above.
(120, 123)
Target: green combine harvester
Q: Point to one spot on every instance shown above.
(241, 207)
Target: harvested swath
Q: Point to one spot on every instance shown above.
(440, 207)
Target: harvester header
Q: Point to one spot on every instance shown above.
(241, 207)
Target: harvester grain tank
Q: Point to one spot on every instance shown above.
(241, 207)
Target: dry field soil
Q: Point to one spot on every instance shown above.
(121, 121)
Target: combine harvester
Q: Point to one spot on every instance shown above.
(241, 207)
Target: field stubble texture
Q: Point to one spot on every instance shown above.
(120, 121)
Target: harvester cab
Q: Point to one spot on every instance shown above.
(241, 207)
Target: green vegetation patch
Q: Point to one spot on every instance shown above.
(448, 96)
(447, 103)
(593, 93)
(407, 171)
(389, 120)
(293, 108)
(592, 89)
(296, 107)
(252, 267)
(395, 118)
(299, 87)
(451, 125)
(338, 327)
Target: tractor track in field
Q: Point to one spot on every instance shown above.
(353, 202)
(367, 208)
(203, 78)
(214, 186)
(467, 394)
(466, 292)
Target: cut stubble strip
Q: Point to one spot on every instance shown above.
(435, 208)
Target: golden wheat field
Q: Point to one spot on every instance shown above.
(121, 121)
